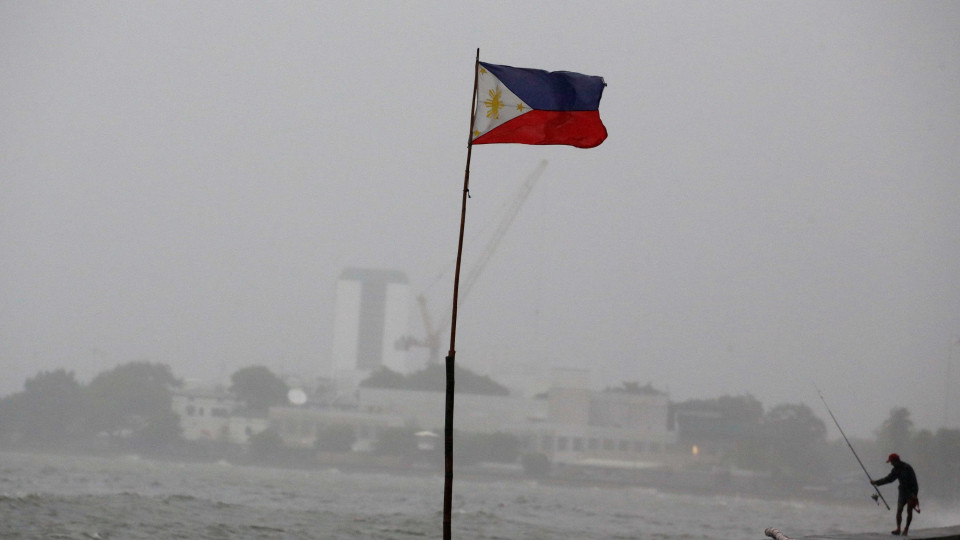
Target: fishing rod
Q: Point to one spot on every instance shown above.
(874, 497)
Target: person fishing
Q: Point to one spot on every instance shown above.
(907, 490)
(878, 497)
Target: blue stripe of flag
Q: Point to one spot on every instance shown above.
(551, 90)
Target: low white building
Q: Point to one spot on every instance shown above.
(572, 425)
(615, 427)
(210, 414)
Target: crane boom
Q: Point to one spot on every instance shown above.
(432, 339)
(471, 278)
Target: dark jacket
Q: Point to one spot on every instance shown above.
(903, 472)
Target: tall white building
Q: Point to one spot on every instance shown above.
(371, 316)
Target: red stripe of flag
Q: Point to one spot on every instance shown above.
(582, 129)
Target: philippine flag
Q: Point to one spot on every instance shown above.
(532, 106)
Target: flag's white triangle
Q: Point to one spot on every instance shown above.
(496, 104)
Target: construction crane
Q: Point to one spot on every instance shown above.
(433, 334)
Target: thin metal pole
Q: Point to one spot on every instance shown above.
(450, 364)
(851, 449)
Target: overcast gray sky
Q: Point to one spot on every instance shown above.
(777, 205)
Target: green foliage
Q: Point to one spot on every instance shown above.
(49, 410)
(896, 432)
(940, 468)
(731, 423)
(795, 423)
(797, 441)
(789, 439)
(935, 456)
(744, 410)
(259, 388)
(633, 387)
(433, 378)
(336, 438)
(133, 398)
(739, 417)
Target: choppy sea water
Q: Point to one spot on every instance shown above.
(66, 497)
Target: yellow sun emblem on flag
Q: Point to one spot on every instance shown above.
(493, 103)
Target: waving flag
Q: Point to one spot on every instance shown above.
(532, 106)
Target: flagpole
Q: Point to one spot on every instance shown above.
(448, 420)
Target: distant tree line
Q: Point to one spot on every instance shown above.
(258, 389)
(130, 402)
(129, 405)
(633, 387)
(790, 442)
(934, 455)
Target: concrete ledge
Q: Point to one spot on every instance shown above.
(939, 533)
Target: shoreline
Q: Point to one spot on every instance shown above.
(393, 465)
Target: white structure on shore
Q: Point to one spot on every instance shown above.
(572, 424)
(210, 414)
(622, 427)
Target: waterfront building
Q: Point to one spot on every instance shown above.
(614, 428)
(211, 414)
(572, 425)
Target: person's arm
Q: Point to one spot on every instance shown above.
(886, 479)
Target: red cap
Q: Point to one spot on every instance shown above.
(892, 458)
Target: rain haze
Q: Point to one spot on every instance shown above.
(777, 206)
